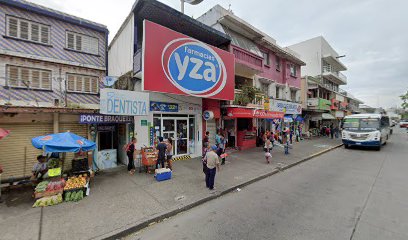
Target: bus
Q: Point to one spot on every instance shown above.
(371, 130)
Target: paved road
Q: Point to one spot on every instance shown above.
(344, 194)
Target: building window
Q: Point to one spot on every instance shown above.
(265, 56)
(82, 43)
(293, 95)
(22, 77)
(82, 83)
(28, 30)
(264, 88)
(278, 63)
(277, 92)
(292, 70)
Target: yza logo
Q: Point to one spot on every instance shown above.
(193, 67)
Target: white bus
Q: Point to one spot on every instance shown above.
(372, 130)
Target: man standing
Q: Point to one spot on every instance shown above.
(213, 162)
(161, 147)
(331, 130)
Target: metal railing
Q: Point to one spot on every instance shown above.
(330, 69)
(247, 57)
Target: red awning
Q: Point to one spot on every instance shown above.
(253, 113)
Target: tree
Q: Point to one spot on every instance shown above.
(404, 99)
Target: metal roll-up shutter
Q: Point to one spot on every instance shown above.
(78, 129)
(17, 154)
(212, 129)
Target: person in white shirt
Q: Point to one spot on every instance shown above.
(213, 163)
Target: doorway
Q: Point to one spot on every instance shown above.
(178, 130)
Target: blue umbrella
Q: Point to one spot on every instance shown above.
(63, 142)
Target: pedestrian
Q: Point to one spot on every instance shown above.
(336, 132)
(232, 137)
(169, 153)
(40, 169)
(268, 149)
(331, 131)
(213, 163)
(206, 139)
(204, 159)
(130, 152)
(221, 149)
(161, 149)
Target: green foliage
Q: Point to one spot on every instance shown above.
(248, 95)
(404, 99)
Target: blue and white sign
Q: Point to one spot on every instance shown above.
(108, 81)
(286, 107)
(123, 102)
(208, 115)
(164, 107)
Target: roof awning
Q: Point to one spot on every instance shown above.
(327, 116)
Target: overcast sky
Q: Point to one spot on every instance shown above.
(371, 33)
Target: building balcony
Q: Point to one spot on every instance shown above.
(334, 76)
(241, 100)
(247, 61)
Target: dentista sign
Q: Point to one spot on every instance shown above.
(122, 102)
(175, 63)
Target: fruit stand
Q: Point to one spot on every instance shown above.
(149, 158)
(57, 189)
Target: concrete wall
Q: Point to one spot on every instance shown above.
(310, 52)
(120, 52)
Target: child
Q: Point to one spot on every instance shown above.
(268, 149)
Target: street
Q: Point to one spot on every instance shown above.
(343, 194)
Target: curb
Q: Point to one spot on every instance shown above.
(133, 229)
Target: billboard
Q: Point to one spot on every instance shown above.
(177, 64)
(285, 107)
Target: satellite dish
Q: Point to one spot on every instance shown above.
(193, 2)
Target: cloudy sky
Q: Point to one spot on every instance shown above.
(371, 33)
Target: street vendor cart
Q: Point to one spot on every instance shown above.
(149, 158)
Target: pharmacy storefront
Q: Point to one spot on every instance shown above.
(178, 72)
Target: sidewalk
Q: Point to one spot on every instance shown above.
(119, 201)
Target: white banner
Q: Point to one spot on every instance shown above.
(124, 102)
(286, 107)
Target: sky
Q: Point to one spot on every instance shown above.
(371, 33)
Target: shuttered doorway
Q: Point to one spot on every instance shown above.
(17, 154)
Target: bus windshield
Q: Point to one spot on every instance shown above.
(364, 124)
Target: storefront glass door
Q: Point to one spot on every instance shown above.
(177, 129)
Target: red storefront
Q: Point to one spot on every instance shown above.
(245, 124)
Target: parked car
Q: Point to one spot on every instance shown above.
(403, 123)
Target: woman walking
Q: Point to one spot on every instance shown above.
(169, 153)
(268, 149)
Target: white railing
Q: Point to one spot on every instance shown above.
(330, 69)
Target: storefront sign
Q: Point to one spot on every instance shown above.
(175, 63)
(105, 128)
(151, 135)
(252, 113)
(286, 107)
(143, 123)
(98, 119)
(122, 102)
(267, 114)
(208, 115)
(164, 107)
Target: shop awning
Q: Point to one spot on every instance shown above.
(253, 113)
(327, 116)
